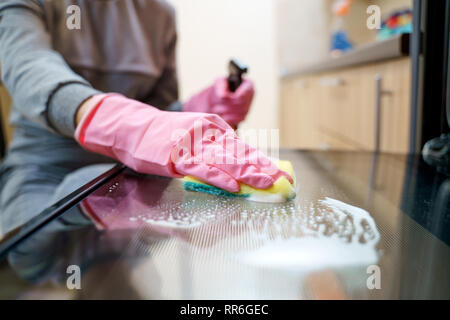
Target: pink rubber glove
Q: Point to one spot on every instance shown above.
(173, 144)
(218, 99)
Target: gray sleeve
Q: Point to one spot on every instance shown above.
(165, 91)
(43, 87)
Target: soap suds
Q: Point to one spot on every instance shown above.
(309, 253)
(191, 213)
(333, 234)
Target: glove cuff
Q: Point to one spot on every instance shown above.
(87, 118)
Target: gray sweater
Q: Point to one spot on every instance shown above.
(124, 46)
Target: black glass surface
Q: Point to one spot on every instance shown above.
(363, 226)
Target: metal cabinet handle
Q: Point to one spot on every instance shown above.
(379, 92)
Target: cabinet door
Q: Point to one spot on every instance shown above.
(338, 110)
(298, 116)
(288, 133)
(349, 109)
(345, 123)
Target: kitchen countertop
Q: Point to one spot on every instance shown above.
(395, 47)
(363, 226)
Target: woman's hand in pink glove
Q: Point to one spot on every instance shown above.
(218, 99)
(173, 144)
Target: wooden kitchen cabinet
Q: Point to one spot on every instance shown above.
(337, 109)
(298, 95)
(343, 124)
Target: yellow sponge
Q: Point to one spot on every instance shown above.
(282, 190)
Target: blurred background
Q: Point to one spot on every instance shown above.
(319, 71)
(316, 100)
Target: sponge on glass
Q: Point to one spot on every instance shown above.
(282, 190)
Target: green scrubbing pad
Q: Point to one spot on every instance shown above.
(206, 188)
